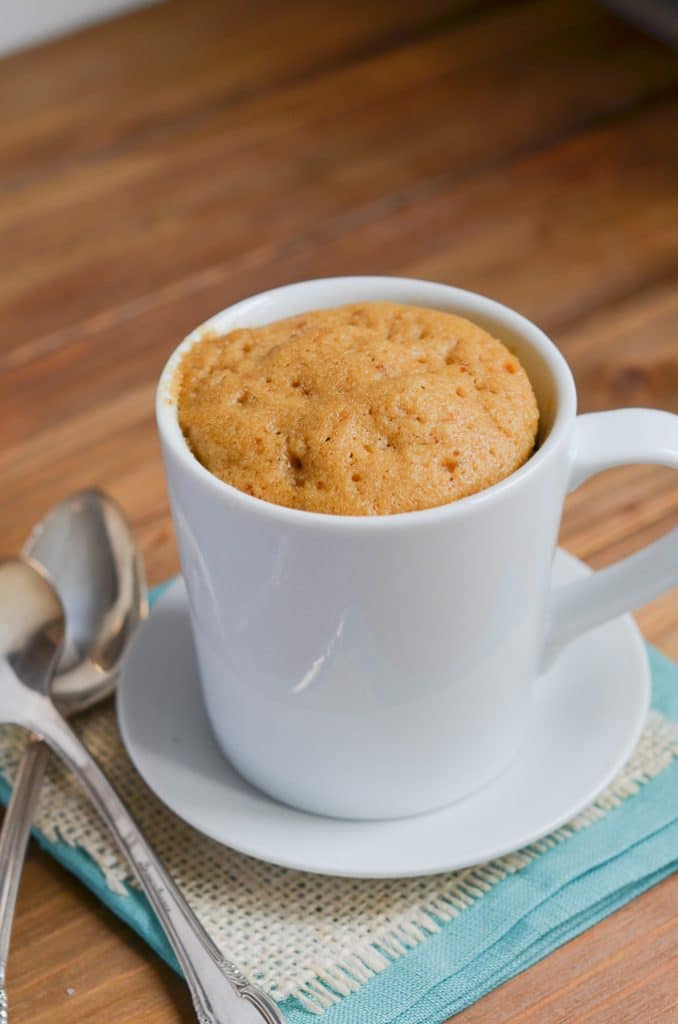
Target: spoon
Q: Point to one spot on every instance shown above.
(29, 644)
(86, 545)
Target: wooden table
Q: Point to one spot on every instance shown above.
(154, 169)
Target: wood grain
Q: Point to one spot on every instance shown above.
(155, 168)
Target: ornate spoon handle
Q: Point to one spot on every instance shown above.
(221, 994)
(16, 830)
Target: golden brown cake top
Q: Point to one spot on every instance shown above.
(371, 408)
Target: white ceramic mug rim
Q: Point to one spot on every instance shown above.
(168, 424)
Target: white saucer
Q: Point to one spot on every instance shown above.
(588, 713)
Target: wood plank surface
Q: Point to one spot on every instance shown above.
(155, 168)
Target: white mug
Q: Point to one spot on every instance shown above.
(382, 666)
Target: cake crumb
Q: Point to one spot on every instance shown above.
(367, 409)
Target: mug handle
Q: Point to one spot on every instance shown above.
(603, 440)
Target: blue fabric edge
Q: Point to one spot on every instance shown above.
(418, 988)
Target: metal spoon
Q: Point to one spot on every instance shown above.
(86, 545)
(28, 646)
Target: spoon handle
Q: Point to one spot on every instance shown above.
(16, 830)
(221, 994)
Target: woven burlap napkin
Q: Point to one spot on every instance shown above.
(299, 935)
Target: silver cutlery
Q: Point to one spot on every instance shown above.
(31, 634)
(85, 544)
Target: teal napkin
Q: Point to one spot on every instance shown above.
(519, 921)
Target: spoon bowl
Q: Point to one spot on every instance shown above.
(31, 623)
(86, 546)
